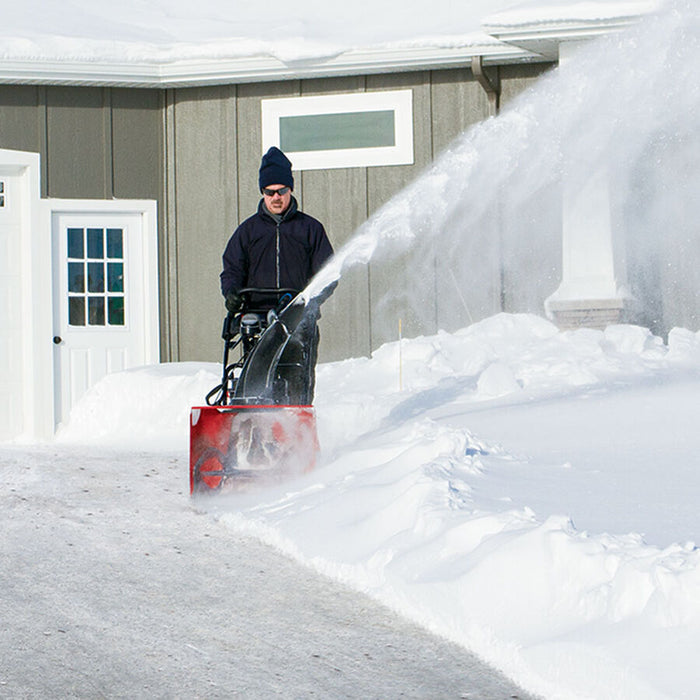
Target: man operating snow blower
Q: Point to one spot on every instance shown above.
(279, 247)
(259, 425)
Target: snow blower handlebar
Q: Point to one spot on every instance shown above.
(260, 306)
(273, 298)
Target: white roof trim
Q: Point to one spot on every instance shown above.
(253, 69)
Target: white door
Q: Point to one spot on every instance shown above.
(100, 317)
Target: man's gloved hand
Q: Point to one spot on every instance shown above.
(233, 303)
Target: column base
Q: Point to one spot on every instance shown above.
(586, 313)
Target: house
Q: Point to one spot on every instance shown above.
(120, 182)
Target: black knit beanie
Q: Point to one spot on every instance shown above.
(275, 169)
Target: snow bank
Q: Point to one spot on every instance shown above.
(141, 408)
(505, 355)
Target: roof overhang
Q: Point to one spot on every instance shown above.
(525, 30)
(506, 38)
(256, 68)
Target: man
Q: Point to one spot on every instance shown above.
(278, 247)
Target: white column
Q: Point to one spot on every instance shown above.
(591, 292)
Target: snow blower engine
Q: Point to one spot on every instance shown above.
(258, 425)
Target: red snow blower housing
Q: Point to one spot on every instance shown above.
(258, 425)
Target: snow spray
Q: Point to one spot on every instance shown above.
(627, 104)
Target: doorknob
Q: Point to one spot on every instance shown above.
(57, 339)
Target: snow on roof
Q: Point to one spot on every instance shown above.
(567, 12)
(171, 42)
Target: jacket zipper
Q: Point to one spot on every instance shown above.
(278, 256)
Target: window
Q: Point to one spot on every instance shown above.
(2, 194)
(341, 131)
(95, 276)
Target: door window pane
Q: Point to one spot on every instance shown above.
(75, 243)
(115, 309)
(115, 243)
(96, 309)
(76, 311)
(76, 277)
(95, 238)
(96, 277)
(115, 277)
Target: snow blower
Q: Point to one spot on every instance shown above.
(258, 425)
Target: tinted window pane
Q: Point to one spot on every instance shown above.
(115, 243)
(116, 311)
(95, 243)
(96, 309)
(115, 277)
(96, 277)
(76, 277)
(75, 243)
(328, 132)
(76, 311)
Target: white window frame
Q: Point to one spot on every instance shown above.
(398, 101)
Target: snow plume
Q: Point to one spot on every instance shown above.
(623, 108)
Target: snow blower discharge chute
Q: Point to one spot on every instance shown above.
(258, 425)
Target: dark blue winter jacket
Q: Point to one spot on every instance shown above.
(265, 253)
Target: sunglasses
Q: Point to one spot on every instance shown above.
(271, 193)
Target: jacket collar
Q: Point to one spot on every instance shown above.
(291, 211)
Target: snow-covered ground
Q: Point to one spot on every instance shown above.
(525, 492)
(113, 586)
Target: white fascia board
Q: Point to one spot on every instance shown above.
(254, 69)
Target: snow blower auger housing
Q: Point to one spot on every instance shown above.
(258, 425)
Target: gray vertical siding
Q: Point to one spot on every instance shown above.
(338, 198)
(203, 167)
(78, 159)
(94, 143)
(23, 122)
(137, 143)
(22, 117)
(197, 151)
(392, 283)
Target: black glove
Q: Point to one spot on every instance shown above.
(233, 303)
